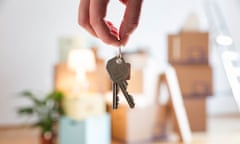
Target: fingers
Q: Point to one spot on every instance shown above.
(124, 1)
(97, 14)
(83, 16)
(113, 30)
(130, 20)
(93, 12)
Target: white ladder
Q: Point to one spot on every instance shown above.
(231, 63)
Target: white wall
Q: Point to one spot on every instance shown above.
(28, 47)
(29, 30)
(231, 11)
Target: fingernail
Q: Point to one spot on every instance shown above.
(123, 1)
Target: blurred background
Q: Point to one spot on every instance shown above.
(46, 57)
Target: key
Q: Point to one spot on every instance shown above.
(115, 95)
(128, 97)
(118, 70)
(125, 84)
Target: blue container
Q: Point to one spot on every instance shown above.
(93, 130)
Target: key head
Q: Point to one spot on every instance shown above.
(129, 72)
(118, 69)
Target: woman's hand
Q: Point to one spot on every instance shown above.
(91, 17)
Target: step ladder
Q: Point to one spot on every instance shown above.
(231, 63)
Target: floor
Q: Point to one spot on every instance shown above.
(221, 130)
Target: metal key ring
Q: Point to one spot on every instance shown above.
(119, 60)
(120, 52)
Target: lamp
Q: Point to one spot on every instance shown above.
(82, 103)
(81, 61)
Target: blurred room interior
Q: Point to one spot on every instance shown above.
(185, 75)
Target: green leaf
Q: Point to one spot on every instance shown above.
(47, 110)
(26, 110)
(56, 96)
(32, 97)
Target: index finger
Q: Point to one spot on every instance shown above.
(130, 19)
(97, 14)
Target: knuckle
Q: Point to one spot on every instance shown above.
(134, 23)
(83, 22)
(94, 22)
(107, 40)
(131, 27)
(110, 41)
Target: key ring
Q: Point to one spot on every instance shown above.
(119, 60)
(120, 52)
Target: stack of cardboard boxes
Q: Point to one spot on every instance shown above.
(85, 120)
(188, 53)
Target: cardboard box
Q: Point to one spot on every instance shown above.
(188, 48)
(138, 62)
(138, 59)
(135, 84)
(65, 79)
(85, 106)
(160, 126)
(195, 80)
(196, 112)
(133, 125)
(99, 79)
(94, 130)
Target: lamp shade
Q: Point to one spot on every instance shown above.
(81, 60)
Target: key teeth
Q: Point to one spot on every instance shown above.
(131, 105)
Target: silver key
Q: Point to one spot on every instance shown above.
(128, 97)
(117, 69)
(115, 95)
(119, 73)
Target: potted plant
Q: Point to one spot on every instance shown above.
(47, 111)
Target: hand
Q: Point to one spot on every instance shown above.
(92, 14)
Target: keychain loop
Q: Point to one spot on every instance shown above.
(119, 60)
(120, 52)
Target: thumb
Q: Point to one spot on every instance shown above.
(130, 19)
